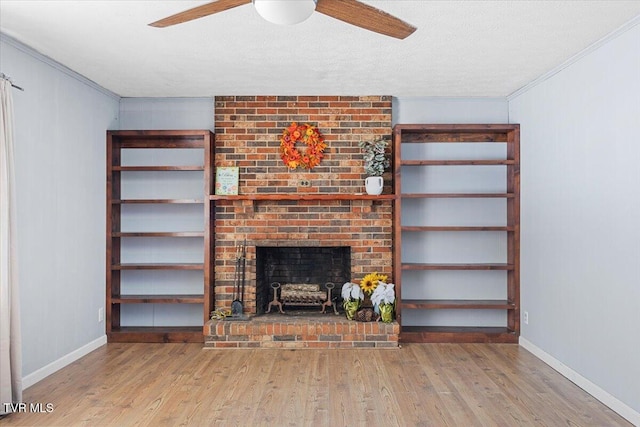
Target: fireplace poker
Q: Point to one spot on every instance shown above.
(236, 305)
(244, 268)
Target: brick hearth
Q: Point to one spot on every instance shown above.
(310, 331)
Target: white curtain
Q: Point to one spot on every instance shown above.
(10, 341)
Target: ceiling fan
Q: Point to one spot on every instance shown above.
(288, 12)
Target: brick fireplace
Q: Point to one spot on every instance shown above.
(247, 132)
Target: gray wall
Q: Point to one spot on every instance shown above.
(60, 123)
(580, 270)
(166, 113)
(433, 110)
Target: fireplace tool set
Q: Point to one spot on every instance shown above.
(237, 306)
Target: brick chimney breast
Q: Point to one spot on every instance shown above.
(248, 130)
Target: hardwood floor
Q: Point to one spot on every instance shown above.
(416, 385)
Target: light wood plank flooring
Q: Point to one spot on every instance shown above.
(416, 385)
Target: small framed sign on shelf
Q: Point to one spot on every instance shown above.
(227, 180)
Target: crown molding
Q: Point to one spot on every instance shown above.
(54, 64)
(575, 58)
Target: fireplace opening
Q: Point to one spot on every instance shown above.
(300, 265)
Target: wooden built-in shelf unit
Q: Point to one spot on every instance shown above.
(148, 140)
(507, 135)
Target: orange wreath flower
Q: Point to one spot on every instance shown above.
(309, 135)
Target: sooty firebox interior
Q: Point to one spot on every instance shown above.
(299, 264)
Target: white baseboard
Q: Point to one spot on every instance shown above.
(612, 402)
(65, 360)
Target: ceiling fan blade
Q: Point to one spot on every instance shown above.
(365, 16)
(199, 12)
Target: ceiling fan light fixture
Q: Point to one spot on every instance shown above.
(285, 12)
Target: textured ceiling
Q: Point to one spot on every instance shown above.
(461, 48)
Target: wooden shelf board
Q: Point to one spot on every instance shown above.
(492, 162)
(156, 143)
(150, 139)
(449, 137)
(456, 195)
(158, 299)
(430, 266)
(157, 168)
(458, 127)
(457, 334)
(158, 266)
(157, 334)
(303, 196)
(457, 304)
(456, 228)
(422, 133)
(158, 234)
(157, 201)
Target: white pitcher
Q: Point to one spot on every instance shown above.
(373, 185)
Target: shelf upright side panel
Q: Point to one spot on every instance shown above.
(209, 226)
(513, 220)
(397, 215)
(113, 225)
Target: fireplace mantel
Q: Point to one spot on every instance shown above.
(304, 196)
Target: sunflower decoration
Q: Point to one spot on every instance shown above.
(369, 283)
(311, 155)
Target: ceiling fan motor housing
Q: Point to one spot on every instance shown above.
(285, 12)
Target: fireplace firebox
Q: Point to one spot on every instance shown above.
(299, 265)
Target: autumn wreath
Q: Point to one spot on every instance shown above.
(309, 157)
